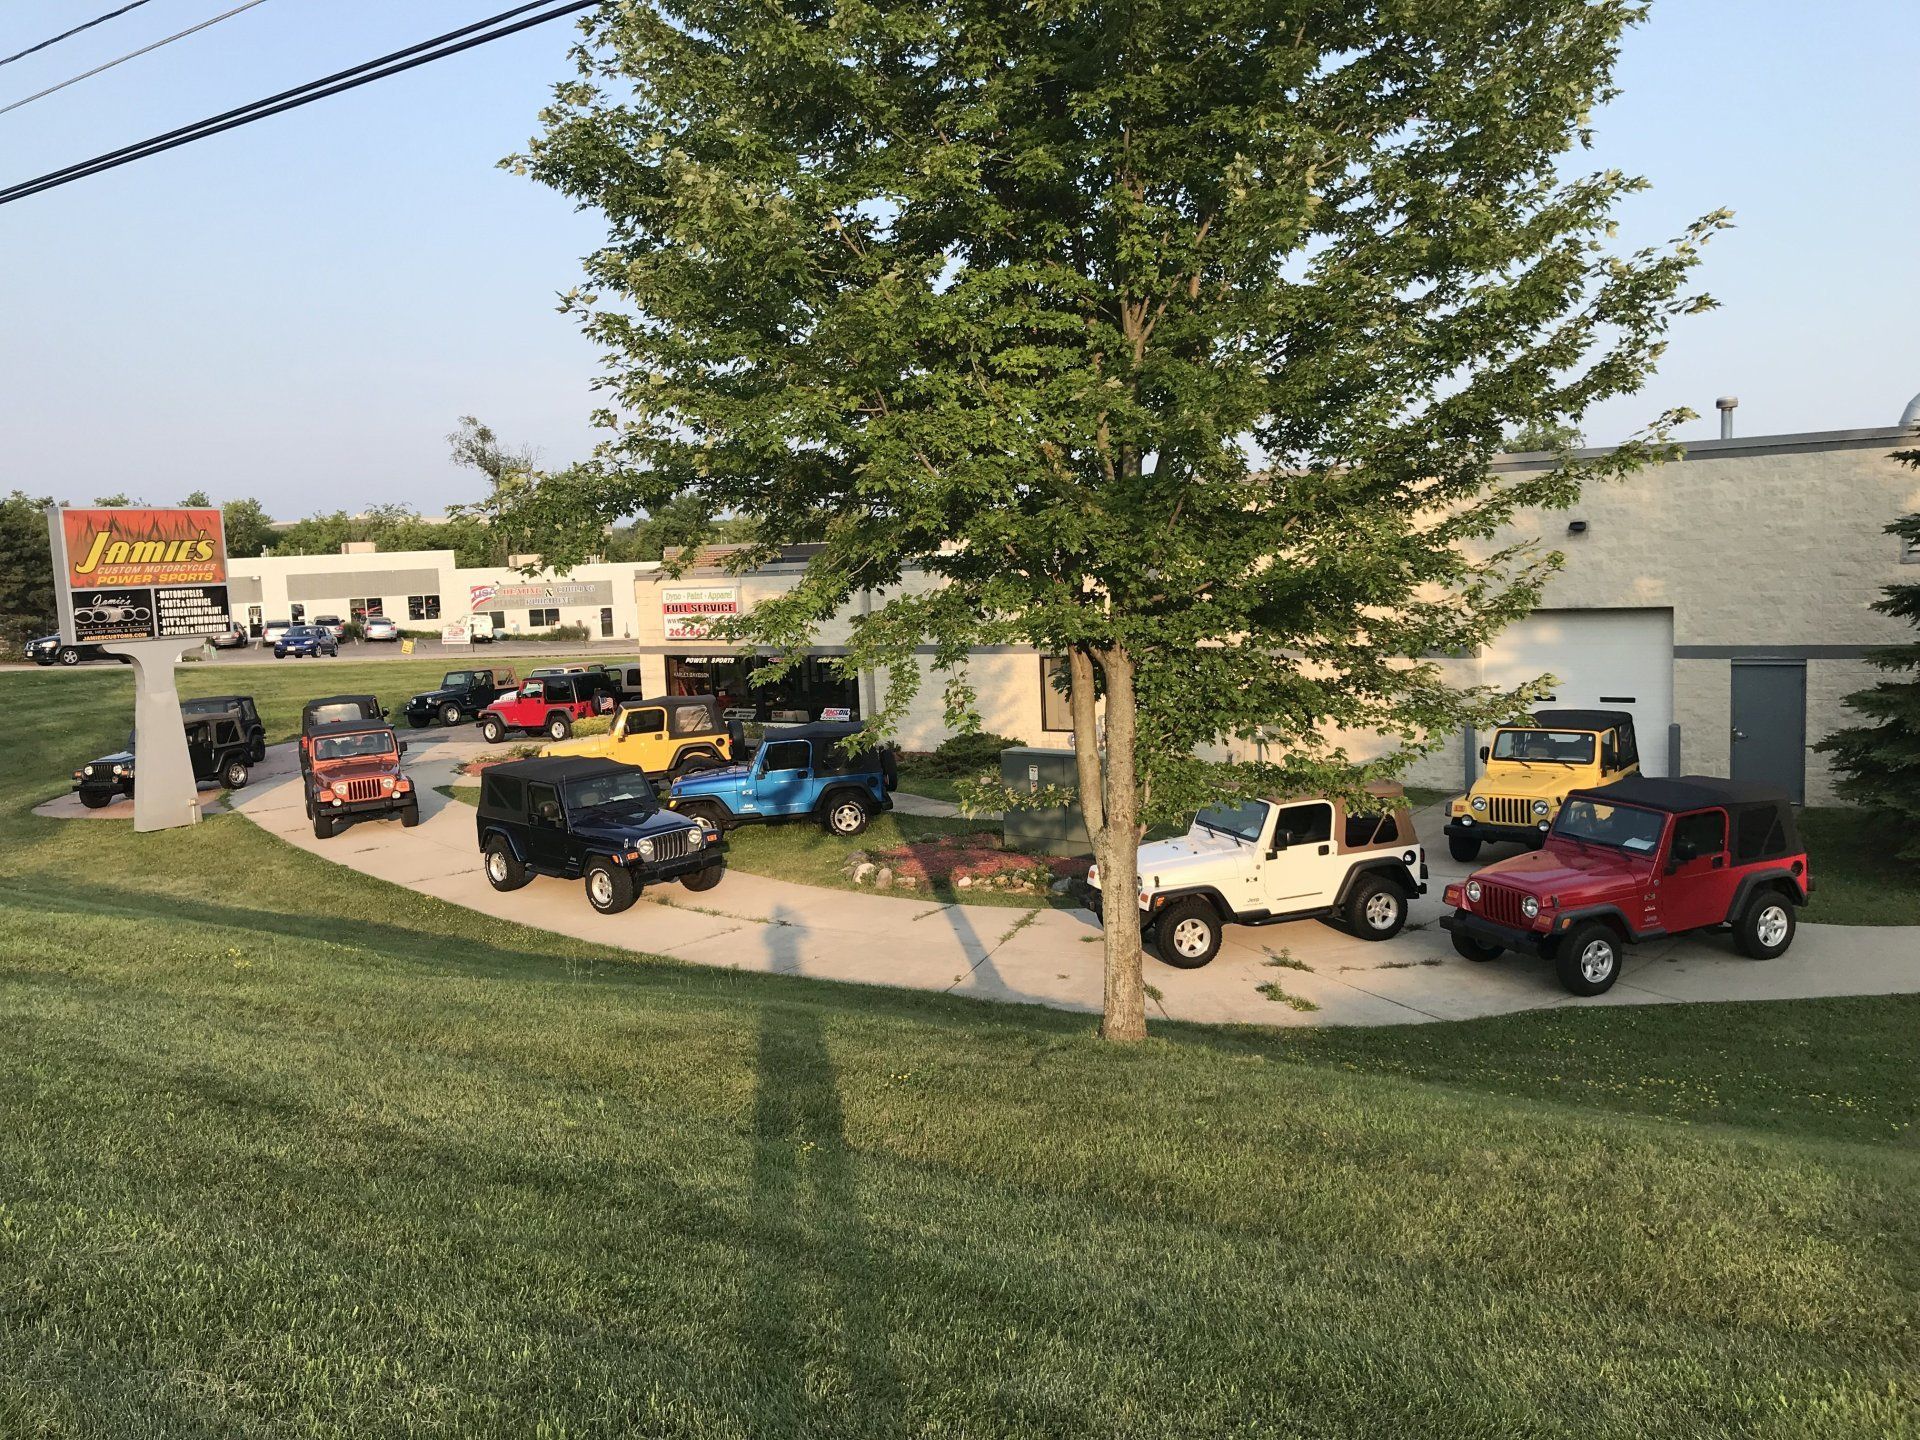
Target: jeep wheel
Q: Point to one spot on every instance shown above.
(322, 825)
(1588, 958)
(449, 714)
(493, 731)
(1766, 928)
(1472, 949)
(69, 655)
(1464, 850)
(707, 812)
(414, 722)
(95, 800)
(698, 880)
(845, 816)
(410, 814)
(694, 764)
(234, 774)
(504, 870)
(259, 751)
(610, 887)
(1187, 934)
(1376, 909)
(558, 726)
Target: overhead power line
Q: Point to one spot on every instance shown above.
(399, 61)
(69, 34)
(132, 55)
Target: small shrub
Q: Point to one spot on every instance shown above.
(969, 754)
(568, 634)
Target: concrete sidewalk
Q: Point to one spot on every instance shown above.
(1052, 957)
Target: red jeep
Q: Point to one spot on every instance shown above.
(550, 703)
(1640, 860)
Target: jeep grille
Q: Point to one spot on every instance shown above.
(1501, 905)
(362, 789)
(1505, 810)
(670, 846)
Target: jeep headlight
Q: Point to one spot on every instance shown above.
(1480, 802)
(643, 847)
(1473, 891)
(123, 770)
(695, 839)
(1540, 808)
(89, 770)
(1529, 906)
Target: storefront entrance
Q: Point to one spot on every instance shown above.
(806, 691)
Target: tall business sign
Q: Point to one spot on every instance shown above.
(147, 584)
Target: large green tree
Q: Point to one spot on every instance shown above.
(1879, 760)
(1175, 338)
(26, 570)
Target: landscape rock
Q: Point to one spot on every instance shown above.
(905, 882)
(862, 872)
(1061, 886)
(883, 876)
(963, 882)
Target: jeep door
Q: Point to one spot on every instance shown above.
(1697, 882)
(547, 836)
(1304, 871)
(643, 738)
(783, 778)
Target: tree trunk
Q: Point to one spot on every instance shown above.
(1109, 800)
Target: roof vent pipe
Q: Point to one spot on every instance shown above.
(1726, 405)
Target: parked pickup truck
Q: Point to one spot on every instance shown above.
(800, 772)
(595, 820)
(1264, 862)
(461, 695)
(550, 703)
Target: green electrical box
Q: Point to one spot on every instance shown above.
(1054, 829)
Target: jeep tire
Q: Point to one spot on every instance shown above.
(610, 887)
(1188, 932)
(844, 815)
(503, 867)
(1588, 958)
(95, 800)
(706, 879)
(1765, 928)
(1464, 850)
(1376, 908)
(694, 763)
(414, 722)
(492, 730)
(233, 774)
(707, 812)
(322, 825)
(410, 813)
(450, 714)
(1471, 949)
(559, 727)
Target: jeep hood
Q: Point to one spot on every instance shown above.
(369, 768)
(1192, 855)
(1578, 874)
(594, 746)
(1543, 782)
(711, 782)
(434, 697)
(618, 836)
(119, 757)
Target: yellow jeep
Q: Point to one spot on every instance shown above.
(1531, 767)
(671, 736)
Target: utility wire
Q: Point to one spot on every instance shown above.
(132, 55)
(69, 34)
(348, 79)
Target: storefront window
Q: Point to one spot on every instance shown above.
(423, 607)
(541, 619)
(367, 605)
(810, 688)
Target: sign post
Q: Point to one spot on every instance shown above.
(150, 585)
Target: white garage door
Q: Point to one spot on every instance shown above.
(1600, 659)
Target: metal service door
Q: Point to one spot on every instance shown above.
(1769, 740)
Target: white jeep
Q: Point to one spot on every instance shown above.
(1263, 862)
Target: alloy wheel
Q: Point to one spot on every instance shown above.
(600, 887)
(1771, 928)
(1381, 910)
(1191, 938)
(1596, 961)
(846, 818)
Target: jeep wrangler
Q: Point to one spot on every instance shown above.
(548, 702)
(248, 712)
(597, 820)
(1264, 862)
(461, 695)
(1639, 860)
(799, 772)
(353, 770)
(1531, 768)
(673, 736)
(219, 747)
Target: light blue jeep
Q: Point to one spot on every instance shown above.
(799, 772)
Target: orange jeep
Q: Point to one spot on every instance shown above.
(354, 769)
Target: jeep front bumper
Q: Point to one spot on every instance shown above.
(1462, 827)
(1507, 937)
(652, 872)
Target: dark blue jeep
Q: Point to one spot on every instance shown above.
(799, 772)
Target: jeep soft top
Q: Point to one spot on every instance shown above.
(1766, 809)
(832, 755)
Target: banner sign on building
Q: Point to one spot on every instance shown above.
(139, 574)
(540, 593)
(686, 611)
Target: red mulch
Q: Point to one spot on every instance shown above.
(976, 855)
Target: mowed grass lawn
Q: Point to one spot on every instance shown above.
(287, 1151)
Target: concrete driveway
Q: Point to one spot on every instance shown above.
(1052, 957)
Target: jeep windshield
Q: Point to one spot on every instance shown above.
(610, 797)
(354, 747)
(1244, 821)
(1619, 827)
(1551, 747)
(456, 680)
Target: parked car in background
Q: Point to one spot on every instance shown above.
(800, 772)
(549, 702)
(352, 771)
(1530, 768)
(332, 624)
(575, 669)
(595, 820)
(305, 642)
(218, 747)
(1265, 862)
(234, 637)
(673, 735)
(461, 695)
(271, 632)
(1640, 860)
(241, 705)
(51, 650)
(380, 629)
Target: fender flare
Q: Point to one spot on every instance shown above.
(1613, 914)
(696, 747)
(1183, 892)
(506, 835)
(703, 798)
(843, 787)
(1391, 866)
(1777, 878)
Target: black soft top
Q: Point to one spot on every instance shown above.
(556, 769)
(1583, 720)
(346, 727)
(1686, 792)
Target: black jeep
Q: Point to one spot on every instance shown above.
(218, 746)
(462, 695)
(580, 818)
(249, 717)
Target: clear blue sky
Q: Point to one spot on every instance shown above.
(302, 309)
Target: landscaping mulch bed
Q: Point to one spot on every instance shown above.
(965, 861)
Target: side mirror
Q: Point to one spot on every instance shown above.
(1484, 752)
(403, 747)
(1682, 852)
(550, 811)
(1281, 840)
